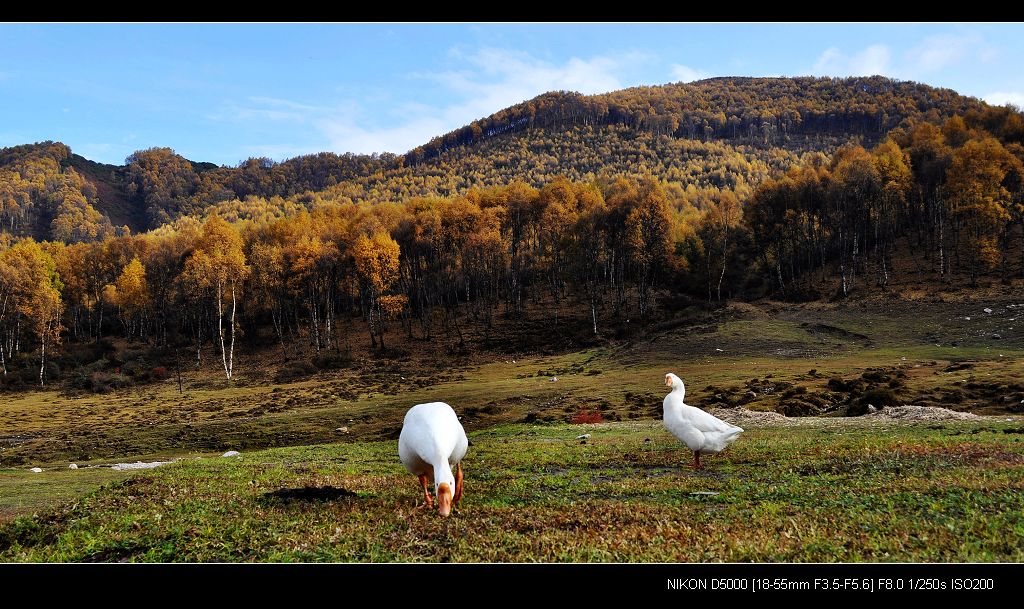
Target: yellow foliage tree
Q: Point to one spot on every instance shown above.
(376, 261)
(647, 233)
(218, 263)
(977, 187)
(131, 295)
(30, 289)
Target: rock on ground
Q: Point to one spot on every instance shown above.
(231, 453)
(922, 413)
(138, 465)
(36, 470)
(740, 416)
(73, 466)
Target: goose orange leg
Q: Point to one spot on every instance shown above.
(696, 460)
(458, 484)
(426, 491)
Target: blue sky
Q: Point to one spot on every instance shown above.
(226, 92)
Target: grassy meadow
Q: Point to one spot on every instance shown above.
(806, 492)
(319, 478)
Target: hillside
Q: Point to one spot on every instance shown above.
(771, 111)
(111, 198)
(937, 349)
(721, 133)
(831, 488)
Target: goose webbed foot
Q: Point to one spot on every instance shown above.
(428, 501)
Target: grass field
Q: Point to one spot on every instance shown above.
(829, 488)
(821, 490)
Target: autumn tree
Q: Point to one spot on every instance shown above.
(559, 212)
(376, 260)
(519, 203)
(647, 230)
(589, 258)
(30, 292)
(720, 221)
(981, 176)
(130, 293)
(267, 284)
(313, 263)
(218, 263)
(163, 181)
(930, 157)
(44, 310)
(889, 214)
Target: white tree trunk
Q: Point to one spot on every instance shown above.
(42, 359)
(220, 328)
(725, 259)
(231, 351)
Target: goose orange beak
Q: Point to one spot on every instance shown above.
(444, 499)
(668, 381)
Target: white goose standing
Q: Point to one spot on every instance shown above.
(431, 442)
(700, 431)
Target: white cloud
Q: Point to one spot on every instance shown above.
(937, 52)
(930, 55)
(524, 76)
(686, 73)
(345, 135)
(868, 62)
(486, 81)
(1001, 98)
(988, 54)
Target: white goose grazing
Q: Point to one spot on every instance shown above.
(431, 442)
(700, 431)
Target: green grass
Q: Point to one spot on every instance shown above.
(22, 491)
(823, 490)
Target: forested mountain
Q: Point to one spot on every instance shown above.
(721, 133)
(578, 221)
(769, 111)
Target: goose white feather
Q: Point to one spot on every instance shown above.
(699, 430)
(432, 442)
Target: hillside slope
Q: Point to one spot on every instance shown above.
(112, 200)
(720, 133)
(811, 359)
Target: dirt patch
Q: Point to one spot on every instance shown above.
(833, 331)
(922, 413)
(958, 366)
(118, 553)
(745, 310)
(15, 440)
